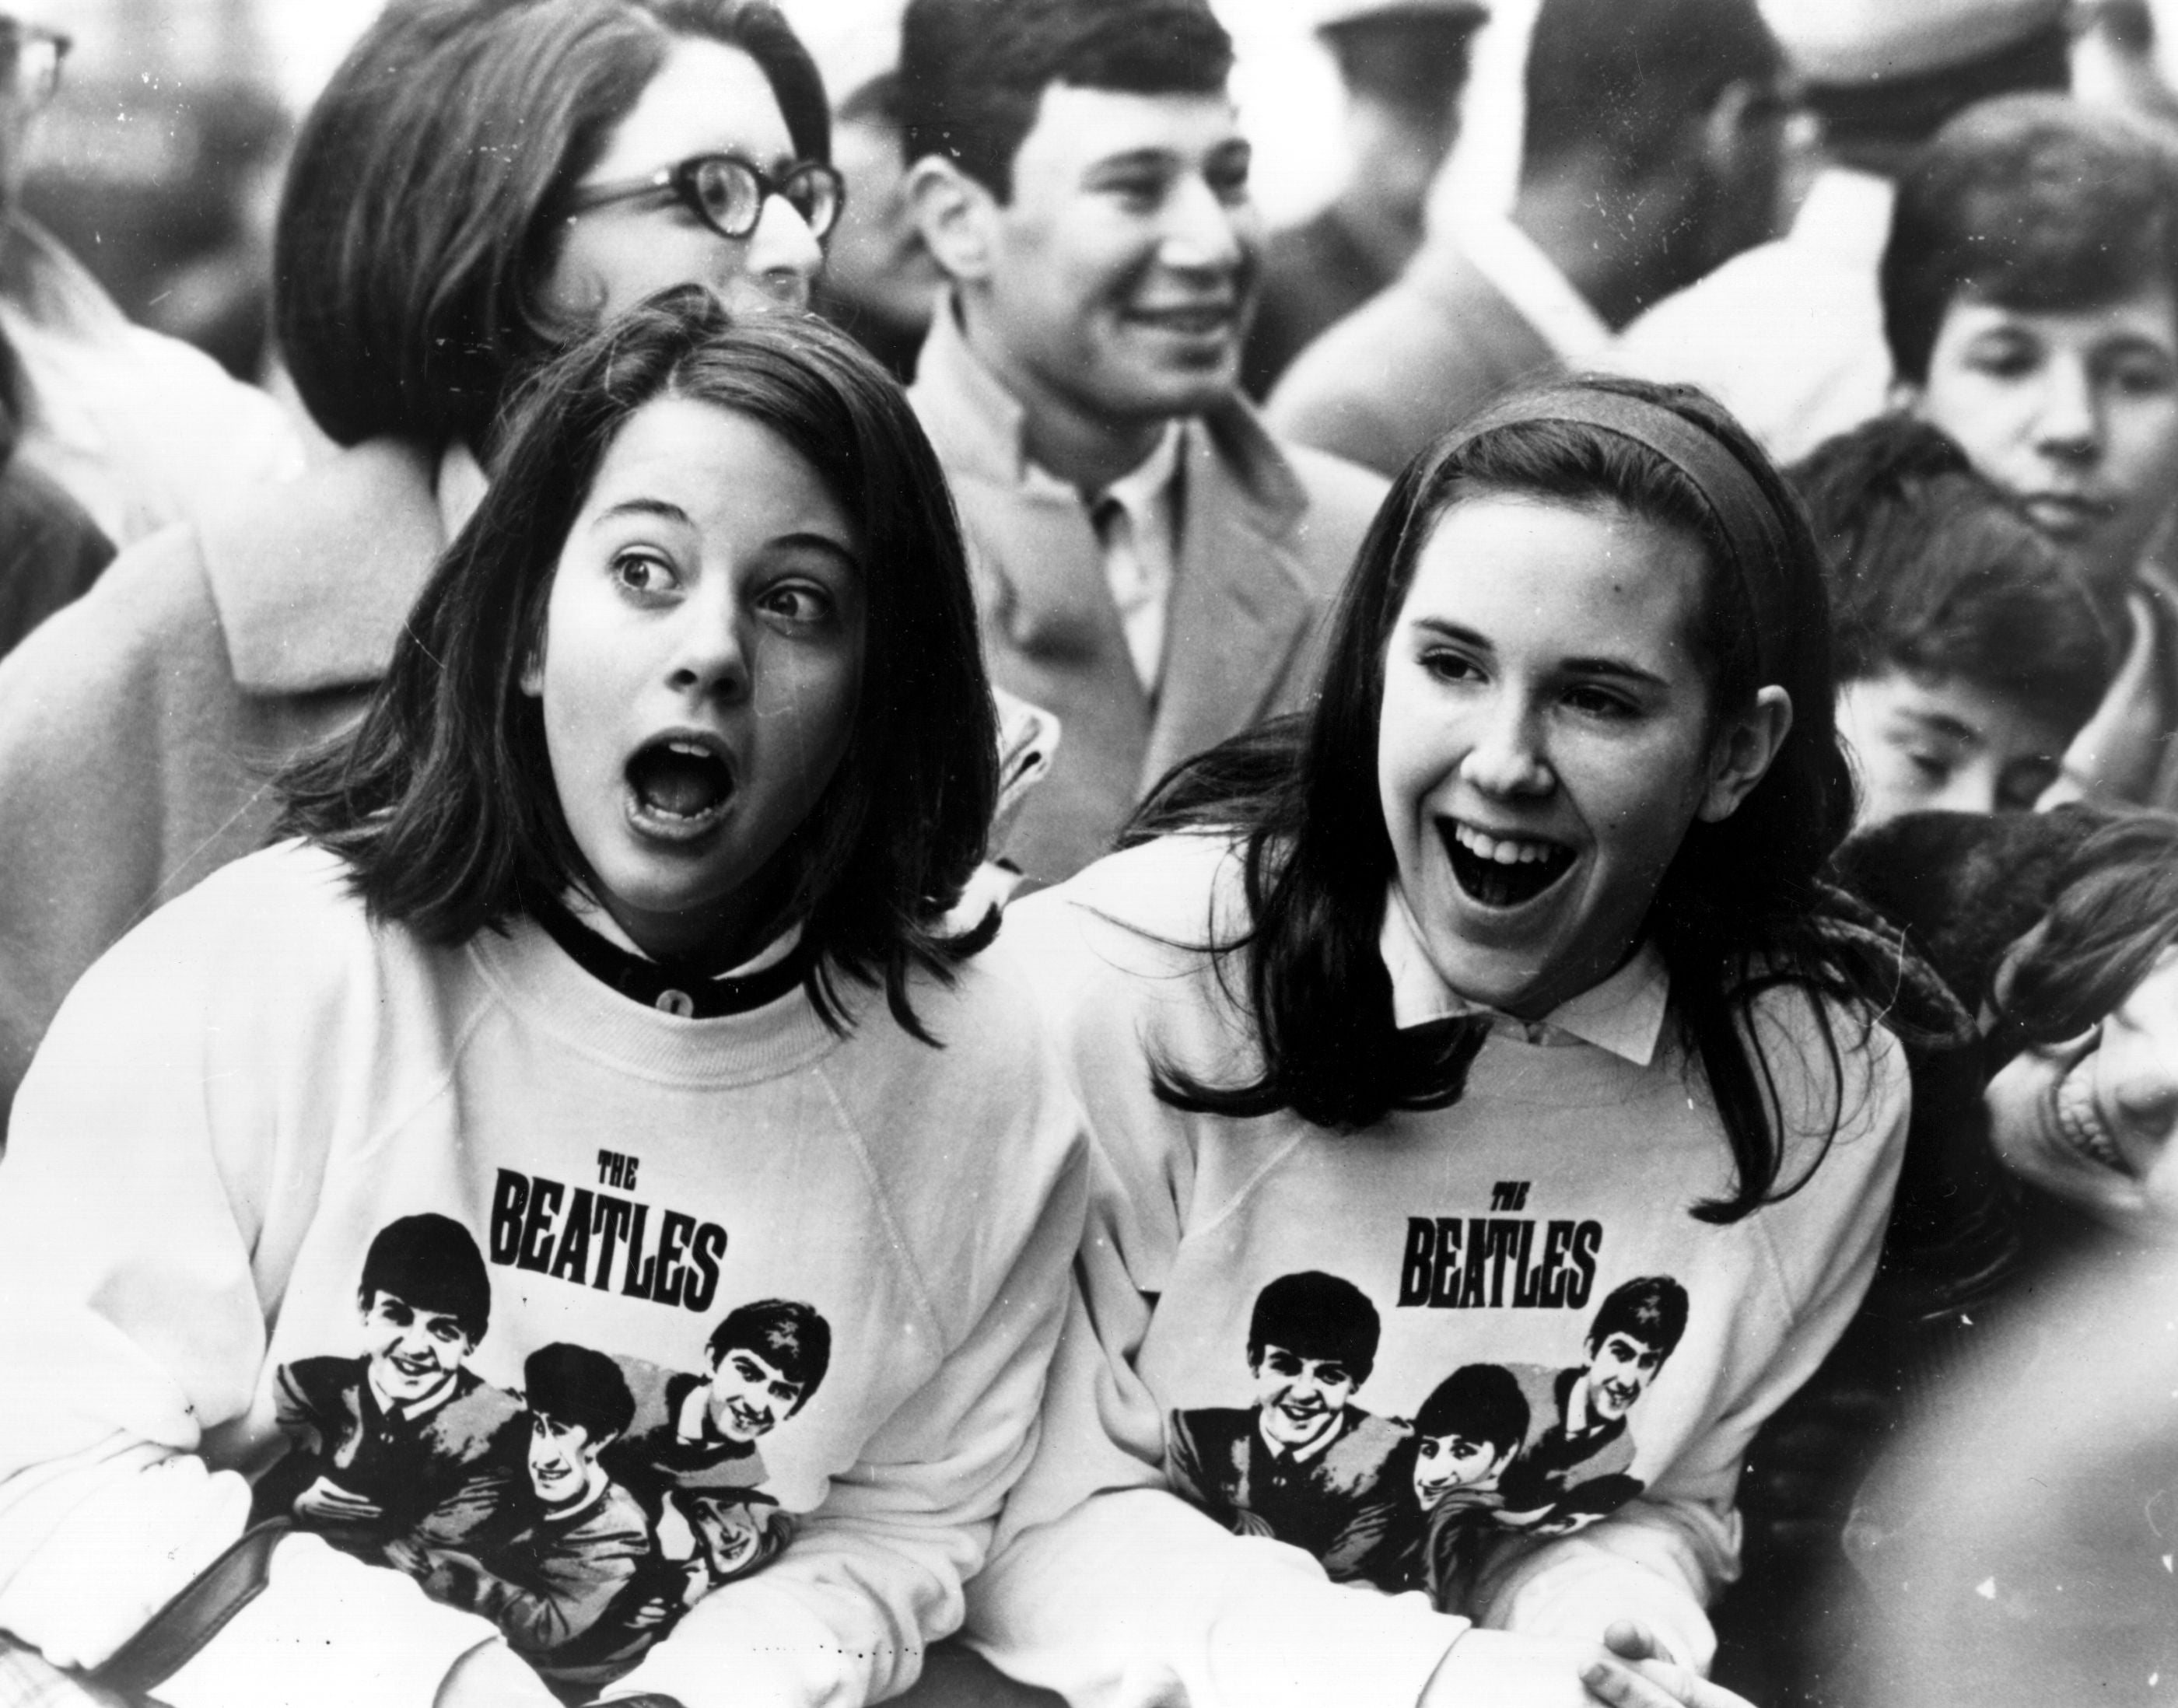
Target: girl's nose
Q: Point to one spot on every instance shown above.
(1508, 757)
(782, 260)
(711, 658)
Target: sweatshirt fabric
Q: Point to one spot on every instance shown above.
(256, 1083)
(1217, 1524)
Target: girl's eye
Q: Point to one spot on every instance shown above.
(1930, 767)
(2141, 379)
(1449, 667)
(1598, 703)
(797, 602)
(642, 571)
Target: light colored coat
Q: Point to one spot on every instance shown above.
(1267, 534)
(141, 726)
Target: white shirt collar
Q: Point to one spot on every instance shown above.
(1623, 1015)
(1848, 214)
(1509, 259)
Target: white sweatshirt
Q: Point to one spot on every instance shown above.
(1495, 1232)
(256, 1082)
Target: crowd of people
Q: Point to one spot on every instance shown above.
(1327, 965)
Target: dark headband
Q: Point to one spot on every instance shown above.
(1743, 514)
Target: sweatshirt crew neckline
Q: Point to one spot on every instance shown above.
(529, 971)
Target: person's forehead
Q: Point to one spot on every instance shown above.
(2148, 313)
(1077, 128)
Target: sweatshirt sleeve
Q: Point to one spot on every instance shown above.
(875, 1574)
(132, 1325)
(1660, 1557)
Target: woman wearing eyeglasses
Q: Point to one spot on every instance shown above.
(478, 184)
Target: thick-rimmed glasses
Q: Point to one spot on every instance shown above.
(29, 60)
(728, 193)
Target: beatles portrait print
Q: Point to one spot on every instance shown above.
(1411, 1503)
(582, 1515)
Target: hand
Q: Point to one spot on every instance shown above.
(1505, 1669)
(1630, 1641)
(325, 1501)
(491, 1675)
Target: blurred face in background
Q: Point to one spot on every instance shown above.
(1931, 743)
(2073, 412)
(2091, 1120)
(706, 98)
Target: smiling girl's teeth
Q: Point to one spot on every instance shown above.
(1505, 851)
(2081, 1121)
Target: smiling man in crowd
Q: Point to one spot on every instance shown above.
(1150, 563)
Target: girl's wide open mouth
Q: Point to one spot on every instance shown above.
(1502, 871)
(681, 784)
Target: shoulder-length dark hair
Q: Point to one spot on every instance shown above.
(442, 800)
(1741, 908)
(417, 214)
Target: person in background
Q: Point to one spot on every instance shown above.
(141, 430)
(1789, 334)
(879, 283)
(2030, 302)
(476, 184)
(1969, 654)
(1151, 563)
(1403, 66)
(1653, 143)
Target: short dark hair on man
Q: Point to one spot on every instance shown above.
(2032, 202)
(1933, 570)
(785, 1333)
(419, 210)
(972, 72)
(1477, 1402)
(1651, 1308)
(1627, 78)
(442, 799)
(1413, 58)
(431, 1262)
(574, 1384)
(1313, 1315)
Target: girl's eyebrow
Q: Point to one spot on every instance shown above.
(1454, 631)
(1614, 669)
(645, 506)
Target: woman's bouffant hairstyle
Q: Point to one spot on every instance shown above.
(1740, 910)
(2033, 202)
(1933, 570)
(442, 799)
(420, 209)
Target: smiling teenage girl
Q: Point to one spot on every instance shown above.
(1510, 1006)
(609, 958)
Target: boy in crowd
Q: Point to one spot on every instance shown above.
(1151, 564)
(1967, 653)
(1304, 1465)
(691, 1447)
(405, 1443)
(2030, 299)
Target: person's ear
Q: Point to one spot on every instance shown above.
(957, 217)
(1903, 397)
(1742, 119)
(533, 668)
(1741, 754)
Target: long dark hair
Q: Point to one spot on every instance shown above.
(1741, 909)
(418, 215)
(442, 800)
